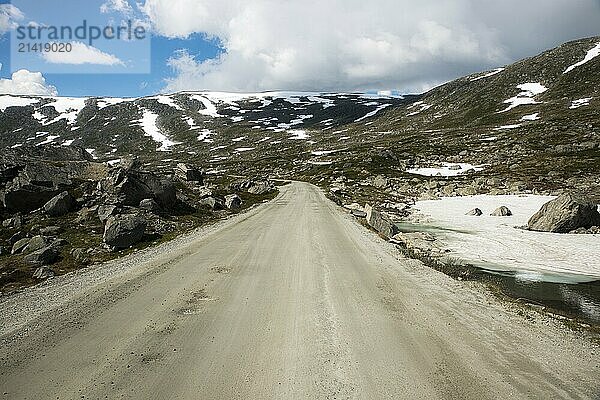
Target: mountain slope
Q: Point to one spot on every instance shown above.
(534, 121)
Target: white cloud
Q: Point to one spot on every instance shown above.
(27, 83)
(82, 53)
(9, 15)
(357, 44)
(121, 6)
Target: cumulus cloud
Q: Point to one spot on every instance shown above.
(121, 6)
(81, 53)
(357, 44)
(25, 82)
(9, 15)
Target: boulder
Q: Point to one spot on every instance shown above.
(502, 211)
(47, 255)
(122, 231)
(213, 203)
(80, 255)
(43, 273)
(105, 211)
(35, 185)
(129, 187)
(16, 237)
(261, 187)
(36, 243)
(189, 173)
(59, 205)
(476, 212)
(233, 202)
(20, 245)
(380, 222)
(564, 214)
(359, 213)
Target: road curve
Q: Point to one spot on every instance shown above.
(293, 300)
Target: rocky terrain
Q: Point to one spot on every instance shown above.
(529, 127)
(62, 210)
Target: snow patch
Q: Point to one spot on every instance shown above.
(580, 103)
(495, 243)
(491, 73)
(447, 169)
(15, 101)
(372, 113)
(591, 54)
(528, 92)
(531, 117)
(148, 124)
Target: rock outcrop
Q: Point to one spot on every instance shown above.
(59, 205)
(380, 222)
(564, 214)
(123, 231)
(502, 211)
(233, 202)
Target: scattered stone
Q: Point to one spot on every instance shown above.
(213, 203)
(188, 173)
(122, 231)
(80, 255)
(105, 211)
(36, 243)
(476, 212)
(565, 214)
(233, 201)
(502, 211)
(380, 182)
(43, 273)
(380, 222)
(149, 205)
(47, 255)
(59, 205)
(261, 187)
(20, 245)
(50, 230)
(14, 222)
(16, 237)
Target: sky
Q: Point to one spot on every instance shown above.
(402, 46)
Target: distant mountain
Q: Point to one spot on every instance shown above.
(536, 120)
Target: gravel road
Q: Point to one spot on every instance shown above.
(291, 300)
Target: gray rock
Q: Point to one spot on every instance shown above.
(16, 237)
(189, 173)
(122, 231)
(261, 187)
(105, 211)
(502, 211)
(129, 187)
(564, 214)
(47, 255)
(233, 201)
(80, 255)
(476, 212)
(36, 243)
(359, 213)
(14, 222)
(213, 203)
(59, 205)
(50, 230)
(380, 181)
(20, 245)
(43, 273)
(35, 185)
(149, 205)
(380, 222)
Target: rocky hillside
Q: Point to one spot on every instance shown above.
(528, 127)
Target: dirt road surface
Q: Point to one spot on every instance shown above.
(292, 300)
